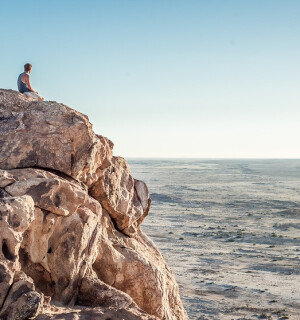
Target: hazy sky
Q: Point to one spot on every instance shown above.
(166, 78)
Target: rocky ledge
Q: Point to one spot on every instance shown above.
(70, 215)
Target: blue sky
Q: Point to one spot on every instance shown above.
(166, 78)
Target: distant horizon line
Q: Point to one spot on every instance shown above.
(210, 158)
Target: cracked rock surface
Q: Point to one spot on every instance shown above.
(70, 211)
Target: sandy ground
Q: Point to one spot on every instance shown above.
(240, 271)
(236, 250)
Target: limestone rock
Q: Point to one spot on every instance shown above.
(54, 251)
(135, 266)
(5, 178)
(125, 199)
(97, 300)
(49, 135)
(3, 194)
(6, 279)
(16, 214)
(61, 242)
(64, 252)
(48, 191)
(95, 293)
(142, 193)
(22, 301)
(18, 298)
(71, 246)
(57, 250)
(82, 313)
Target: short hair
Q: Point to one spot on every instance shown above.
(27, 66)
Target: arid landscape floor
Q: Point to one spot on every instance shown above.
(230, 232)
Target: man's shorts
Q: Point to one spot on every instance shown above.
(32, 96)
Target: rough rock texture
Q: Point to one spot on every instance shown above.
(22, 301)
(18, 298)
(5, 179)
(82, 313)
(125, 199)
(49, 135)
(71, 246)
(135, 266)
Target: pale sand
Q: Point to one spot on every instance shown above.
(241, 270)
(231, 237)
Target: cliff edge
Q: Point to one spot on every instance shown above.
(70, 211)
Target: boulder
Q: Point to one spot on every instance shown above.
(49, 192)
(61, 242)
(18, 298)
(16, 214)
(125, 199)
(70, 215)
(5, 179)
(48, 134)
(136, 267)
(6, 279)
(22, 301)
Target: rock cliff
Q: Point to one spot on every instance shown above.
(70, 211)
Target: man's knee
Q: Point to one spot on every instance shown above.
(33, 96)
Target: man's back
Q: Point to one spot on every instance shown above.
(22, 86)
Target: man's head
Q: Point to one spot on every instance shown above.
(27, 67)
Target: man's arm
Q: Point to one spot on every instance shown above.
(26, 80)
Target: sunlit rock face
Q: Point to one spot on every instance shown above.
(50, 135)
(125, 199)
(70, 215)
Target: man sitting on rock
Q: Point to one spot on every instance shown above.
(24, 85)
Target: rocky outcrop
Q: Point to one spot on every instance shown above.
(71, 245)
(50, 135)
(18, 297)
(126, 199)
